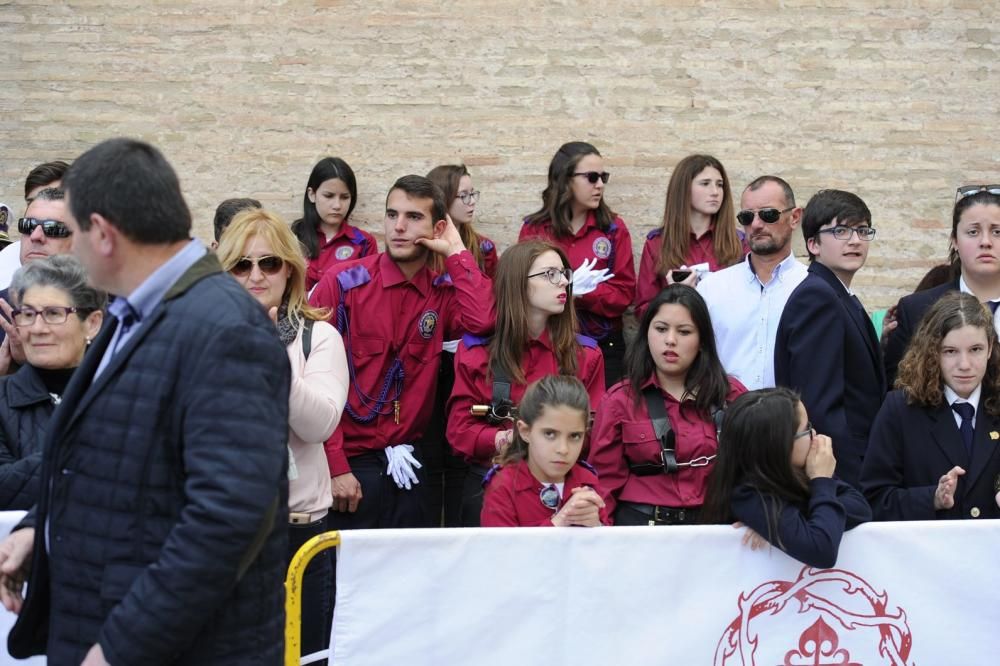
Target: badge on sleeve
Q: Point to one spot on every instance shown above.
(602, 248)
(344, 252)
(427, 323)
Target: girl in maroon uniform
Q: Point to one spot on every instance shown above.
(539, 481)
(324, 228)
(698, 227)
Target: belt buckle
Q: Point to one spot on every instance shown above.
(668, 515)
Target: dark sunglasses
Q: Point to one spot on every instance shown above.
(549, 496)
(594, 176)
(51, 228)
(969, 190)
(766, 215)
(267, 266)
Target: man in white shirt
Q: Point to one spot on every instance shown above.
(746, 300)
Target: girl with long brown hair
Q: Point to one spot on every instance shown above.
(461, 198)
(698, 227)
(535, 336)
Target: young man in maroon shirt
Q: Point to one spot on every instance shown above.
(394, 314)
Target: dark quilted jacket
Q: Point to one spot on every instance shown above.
(25, 410)
(167, 517)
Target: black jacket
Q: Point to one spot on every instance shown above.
(166, 510)
(25, 410)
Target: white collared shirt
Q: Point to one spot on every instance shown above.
(973, 400)
(964, 288)
(745, 316)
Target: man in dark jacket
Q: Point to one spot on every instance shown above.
(160, 535)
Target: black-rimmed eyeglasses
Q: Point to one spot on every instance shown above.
(53, 314)
(555, 275)
(844, 233)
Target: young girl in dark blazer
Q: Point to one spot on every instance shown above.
(774, 474)
(920, 464)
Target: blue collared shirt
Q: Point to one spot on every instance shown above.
(745, 315)
(139, 305)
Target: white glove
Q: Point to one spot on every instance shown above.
(401, 464)
(586, 279)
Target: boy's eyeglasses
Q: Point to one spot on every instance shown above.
(594, 176)
(969, 190)
(766, 215)
(267, 265)
(844, 233)
(555, 275)
(51, 228)
(469, 198)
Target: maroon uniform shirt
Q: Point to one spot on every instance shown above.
(601, 310)
(623, 434)
(512, 496)
(347, 244)
(472, 437)
(393, 330)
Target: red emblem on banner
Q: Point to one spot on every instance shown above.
(827, 617)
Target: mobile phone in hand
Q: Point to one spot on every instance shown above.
(680, 276)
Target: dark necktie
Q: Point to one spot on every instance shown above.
(967, 412)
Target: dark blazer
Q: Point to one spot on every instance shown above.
(811, 534)
(909, 311)
(827, 350)
(911, 447)
(25, 410)
(166, 508)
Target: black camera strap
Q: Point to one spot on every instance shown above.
(664, 434)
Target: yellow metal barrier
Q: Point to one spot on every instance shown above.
(293, 592)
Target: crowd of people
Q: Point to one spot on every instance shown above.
(174, 447)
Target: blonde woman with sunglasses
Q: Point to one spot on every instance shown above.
(262, 254)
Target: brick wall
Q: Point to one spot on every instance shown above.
(898, 103)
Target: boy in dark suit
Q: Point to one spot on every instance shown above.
(826, 348)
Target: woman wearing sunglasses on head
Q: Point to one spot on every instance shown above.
(57, 317)
(974, 252)
(656, 432)
(698, 228)
(575, 217)
(260, 251)
(535, 336)
(324, 228)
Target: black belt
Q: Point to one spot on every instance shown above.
(665, 514)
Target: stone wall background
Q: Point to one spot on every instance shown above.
(898, 101)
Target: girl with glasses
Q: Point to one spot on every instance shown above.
(260, 251)
(655, 433)
(445, 472)
(538, 481)
(535, 336)
(934, 450)
(575, 216)
(324, 229)
(698, 227)
(775, 475)
(58, 315)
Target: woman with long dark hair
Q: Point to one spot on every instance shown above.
(655, 433)
(324, 229)
(535, 336)
(575, 216)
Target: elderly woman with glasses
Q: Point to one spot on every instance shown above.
(58, 315)
(535, 336)
(262, 253)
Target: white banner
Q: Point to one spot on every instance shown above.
(8, 519)
(902, 593)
